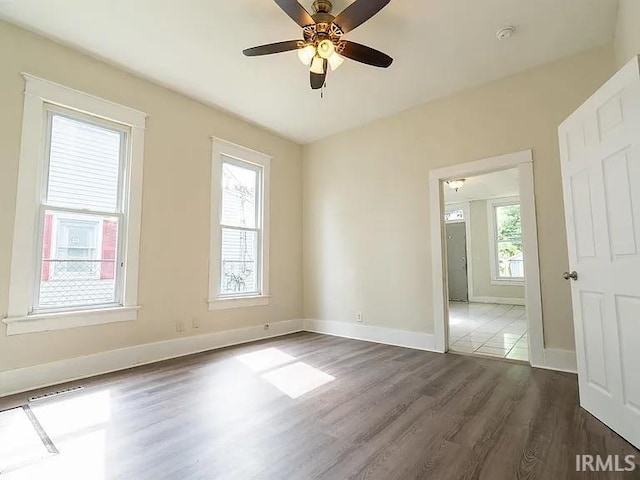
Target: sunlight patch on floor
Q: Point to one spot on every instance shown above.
(297, 379)
(20, 443)
(283, 371)
(77, 425)
(74, 414)
(266, 359)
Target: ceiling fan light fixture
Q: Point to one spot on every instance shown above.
(326, 48)
(321, 46)
(335, 61)
(306, 54)
(317, 65)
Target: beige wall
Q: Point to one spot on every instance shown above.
(366, 194)
(175, 216)
(627, 38)
(366, 226)
(481, 259)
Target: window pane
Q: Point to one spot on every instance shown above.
(454, 215)
(239, 195)
(508, 223)
(84, 163)
(509, 235)
(78, 260)
(239, 261)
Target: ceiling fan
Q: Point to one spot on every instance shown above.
(322, 45)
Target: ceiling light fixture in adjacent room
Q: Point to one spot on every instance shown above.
(456, 184)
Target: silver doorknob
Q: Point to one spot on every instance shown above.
(573, 275)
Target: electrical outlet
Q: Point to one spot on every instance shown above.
(195, 323)
(266, 326)
(179, 326)
(359, 317)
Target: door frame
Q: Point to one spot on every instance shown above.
(466, 209)
(523, 161)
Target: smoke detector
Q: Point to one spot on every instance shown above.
(505, 32)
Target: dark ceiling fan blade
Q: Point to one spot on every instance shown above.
(317, 80)
(364, 54)
(296, 11)
(358, 12)
(273, 48)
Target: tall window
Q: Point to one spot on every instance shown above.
(506, 235)
(81, 212)
(76, 237)
(239, 240)
(240, 224)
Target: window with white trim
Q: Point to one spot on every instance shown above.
(81, 212)
(239, 237)
(77, 225)
(505, 240)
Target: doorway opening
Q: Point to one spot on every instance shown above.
(485, 259)
(485, 266)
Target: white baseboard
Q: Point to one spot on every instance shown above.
(560, 360)
(498, 300)
(370, 333)
(38, 376)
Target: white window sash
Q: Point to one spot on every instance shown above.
(258, 212)
(120, 212)
(492, 205)
(39, 96)
(245, 158)
(119, 261)
(258, 291)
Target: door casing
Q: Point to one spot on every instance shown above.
(523, 161)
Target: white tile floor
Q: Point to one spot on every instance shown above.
(488, 329)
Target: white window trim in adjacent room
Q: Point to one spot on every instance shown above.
(37, 95)
(493, 240)
(243, 155)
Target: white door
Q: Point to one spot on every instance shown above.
(600, 152)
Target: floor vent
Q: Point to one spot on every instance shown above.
(44, 396)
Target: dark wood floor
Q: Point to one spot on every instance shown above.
(389, 413)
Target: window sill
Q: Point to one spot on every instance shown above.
(505, 282)
(43, 322)
(222, 303)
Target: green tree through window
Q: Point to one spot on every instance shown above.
(509, 241)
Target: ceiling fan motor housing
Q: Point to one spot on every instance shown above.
(322, 6)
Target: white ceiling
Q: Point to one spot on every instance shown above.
(482, 187)
(439, 46)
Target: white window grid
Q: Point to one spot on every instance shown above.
(51, 110)
(259, 216)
